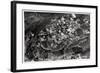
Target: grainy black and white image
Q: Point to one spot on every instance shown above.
(51, 36)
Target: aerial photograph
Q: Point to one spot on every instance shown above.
(52, 36)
